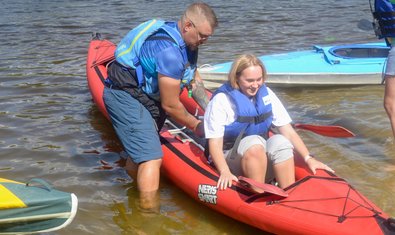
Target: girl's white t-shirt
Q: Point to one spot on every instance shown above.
(220, 112)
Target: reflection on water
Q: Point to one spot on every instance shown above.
(49, 128)
(178, 214)
(132, 219)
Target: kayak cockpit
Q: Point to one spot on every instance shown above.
(361, 53)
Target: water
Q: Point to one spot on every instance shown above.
(50, 129)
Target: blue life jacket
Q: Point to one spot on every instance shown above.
(384, 14)
(128, 50)
(253, 119)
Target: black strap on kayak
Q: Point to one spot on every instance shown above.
(200, 169)
(100, 75)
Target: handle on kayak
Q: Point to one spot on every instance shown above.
(41, 182)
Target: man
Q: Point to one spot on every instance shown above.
(153, 63)
(384, 16)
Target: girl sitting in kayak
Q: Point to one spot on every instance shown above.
(237, 122)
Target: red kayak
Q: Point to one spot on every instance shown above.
(315, 204)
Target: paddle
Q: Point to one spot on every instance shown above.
(268, 188)
(329, 131)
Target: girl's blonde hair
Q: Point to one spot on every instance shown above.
(240, 64)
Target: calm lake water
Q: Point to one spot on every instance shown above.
(50, 129)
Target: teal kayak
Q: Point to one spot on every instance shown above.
(34, 207)
(354, 64)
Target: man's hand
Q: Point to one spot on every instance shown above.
(199, 129)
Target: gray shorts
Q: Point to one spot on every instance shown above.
(278, 149)
(390, 63)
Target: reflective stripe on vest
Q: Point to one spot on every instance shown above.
(128, 51)
(136, 38)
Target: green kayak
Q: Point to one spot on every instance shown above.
(34, 207)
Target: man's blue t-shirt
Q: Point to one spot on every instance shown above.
(163, 56)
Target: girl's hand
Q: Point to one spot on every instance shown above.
(314, 164)
(225, 180)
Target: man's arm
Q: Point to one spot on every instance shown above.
(170, 101)
(199, 91)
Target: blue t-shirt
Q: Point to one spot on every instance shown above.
(159, 55)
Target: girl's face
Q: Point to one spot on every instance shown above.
(250, 80)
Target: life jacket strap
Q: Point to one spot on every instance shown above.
(384, 27)
(386, 14)
(237, 142)
(255, 119)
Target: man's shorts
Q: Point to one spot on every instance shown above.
(134, 126)
(390, 63)
(278, 149)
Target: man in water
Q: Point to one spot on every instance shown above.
(153, 63)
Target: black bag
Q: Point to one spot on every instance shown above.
(126, 79)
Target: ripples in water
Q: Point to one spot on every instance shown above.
(50, 129)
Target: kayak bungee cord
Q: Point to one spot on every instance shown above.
(347, 198)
